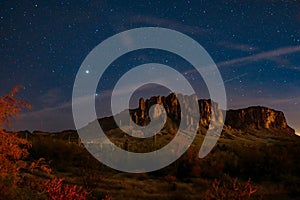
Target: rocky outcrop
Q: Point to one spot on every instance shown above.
(256, 117)
(171, 106)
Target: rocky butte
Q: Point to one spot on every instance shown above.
(254, 117)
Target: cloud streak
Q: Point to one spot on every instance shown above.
(155, 21)
(261, 56)
(240, 47)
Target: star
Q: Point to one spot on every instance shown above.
(38, 55)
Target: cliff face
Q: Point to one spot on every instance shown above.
(173, 110)
(256, 117)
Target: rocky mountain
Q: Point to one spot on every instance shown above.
(255, 117)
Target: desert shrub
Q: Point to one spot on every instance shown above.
(10, 107)
(40, 164)
(55, 189)
(13, 150)
(230, 189)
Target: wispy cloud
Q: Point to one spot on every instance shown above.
(273, 55)
(162, 22)
(261, 56)
(240, 47)
(235, 77)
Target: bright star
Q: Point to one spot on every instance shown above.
(87, 71)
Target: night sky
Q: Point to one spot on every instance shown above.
(255, 44)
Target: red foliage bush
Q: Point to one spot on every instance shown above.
(10, 107)
(12, 148)
(230, 189)
(55, 189)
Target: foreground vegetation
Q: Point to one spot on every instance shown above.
(246, 166)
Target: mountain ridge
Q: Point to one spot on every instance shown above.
(242, 119)
(252, 117)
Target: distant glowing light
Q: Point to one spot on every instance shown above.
(87, 71)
